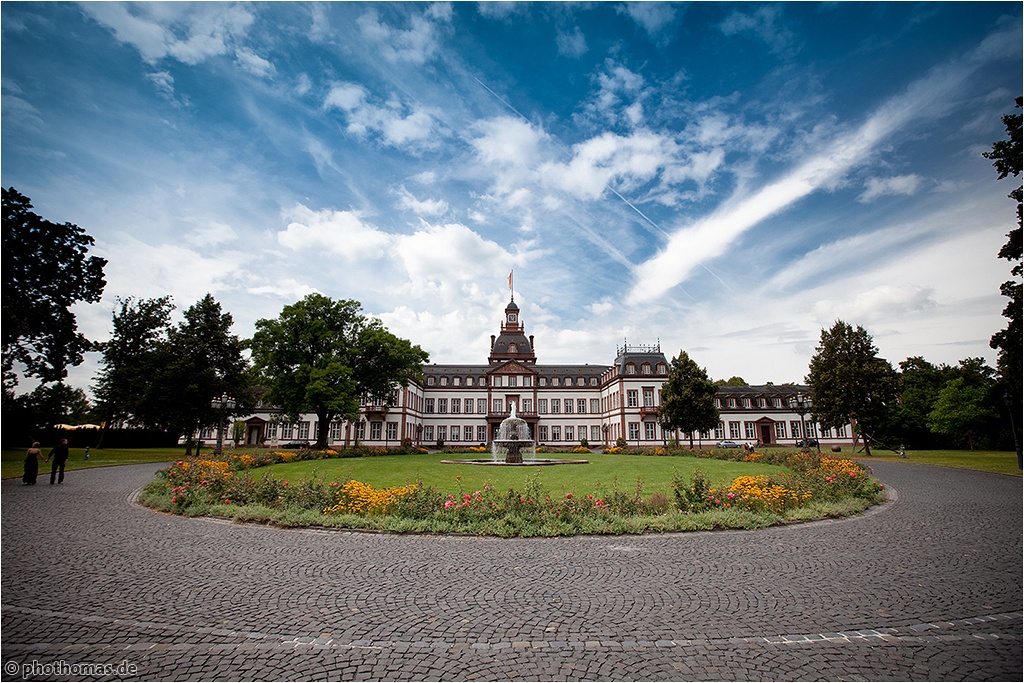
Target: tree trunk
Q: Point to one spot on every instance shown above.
(323, 429)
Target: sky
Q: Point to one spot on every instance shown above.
(723, 179)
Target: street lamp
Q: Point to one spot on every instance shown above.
(222, 406)
(801, 405)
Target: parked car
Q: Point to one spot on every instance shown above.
(296, 445)
(728, 444)
(809, 442)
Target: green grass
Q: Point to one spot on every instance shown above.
(1000, 462)
(12, 462)
(602, 473)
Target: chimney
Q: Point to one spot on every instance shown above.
(531, 343)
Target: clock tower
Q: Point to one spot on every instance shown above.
(512, 343)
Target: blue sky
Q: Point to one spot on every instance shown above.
(727, 179)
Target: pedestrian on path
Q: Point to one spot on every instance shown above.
(60, 458)
(31, 464)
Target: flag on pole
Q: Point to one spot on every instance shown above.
(510, 280)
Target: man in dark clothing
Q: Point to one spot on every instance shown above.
(60, 458)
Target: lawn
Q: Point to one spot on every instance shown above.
(603, 473)
(12, 462)
(1000, 462)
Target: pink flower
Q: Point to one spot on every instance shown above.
(448, 504)
(853, 474)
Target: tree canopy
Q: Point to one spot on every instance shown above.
(46, 270)
(1006, 157)
(322, 356)
(688, 398)
(850, 383)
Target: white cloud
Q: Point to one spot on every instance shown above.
(396, 124)
(711, 237)
(188, 32)
(765, 23)
(625, 161)
(895, 185)
(421, 207)
(343, 233)
(253, 63)
(571, 44)
(651, 16)
(419, 43)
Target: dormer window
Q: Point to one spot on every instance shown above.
(512, 348)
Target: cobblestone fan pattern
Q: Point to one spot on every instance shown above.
(925, 587)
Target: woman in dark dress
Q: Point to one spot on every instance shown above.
(32, 464)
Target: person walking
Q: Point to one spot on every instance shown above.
(60, 458)
(31, 464)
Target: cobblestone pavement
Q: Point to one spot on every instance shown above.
(926, 587)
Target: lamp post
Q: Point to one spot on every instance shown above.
(222, 406)
(801, 404)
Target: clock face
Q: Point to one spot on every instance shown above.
(511, 317)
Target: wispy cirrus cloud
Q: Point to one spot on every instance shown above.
(710, 237)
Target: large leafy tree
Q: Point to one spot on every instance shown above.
(139, 327)
(322, 356)
(1006, 157)
(688, 398)
(962, 409)
(850, 383)
(46, 270)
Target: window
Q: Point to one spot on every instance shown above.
(513, 381)
(527, 405)
(430, 381)
(456, 381)
(444, 381)
(649, 431)
(392, 431)
(542, 405)
(467, 432)
(469, 405)
(481, 433)
(428, 405)
(456, 405)
(794, 428)
(496, 405)
(442, 433)
(303, 430)
(527, 381)
(631, 398)
(542, 433)
(469, 381)
(286, 430)
(556, 406)
(841, 431)
(481, 405)
(645, 369)
(581, 405)
(720, 431)
(442, 405)
(595, 406)
(662, 369)
(496, 381)
(569, 434)
(734, 430)
(648, 398)
(335, 432)
(732, 403)
(630, 369)
(375, 431)
(580, 382)
(360, 430)
(271, 430)
(746, 403)
(556, 433)
(780, 430)
(634, 431)
(593, 381)
(428, 432)
(749, 430)
(595, 433)
(568, 405)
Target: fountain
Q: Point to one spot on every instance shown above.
(512, 440)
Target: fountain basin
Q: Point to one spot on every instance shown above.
(524, 462)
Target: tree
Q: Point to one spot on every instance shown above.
(688, 398)
(322, 355)
(734, 381)
(850, 383)
(200, 361)
(139, 326)
(45, 271)
(960, 411)
(1006, 158)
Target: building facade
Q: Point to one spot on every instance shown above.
(565, 405)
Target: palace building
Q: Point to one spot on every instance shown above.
(565, 405)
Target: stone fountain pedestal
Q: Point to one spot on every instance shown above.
(512, 441)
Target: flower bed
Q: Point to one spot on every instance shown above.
(811, 487)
